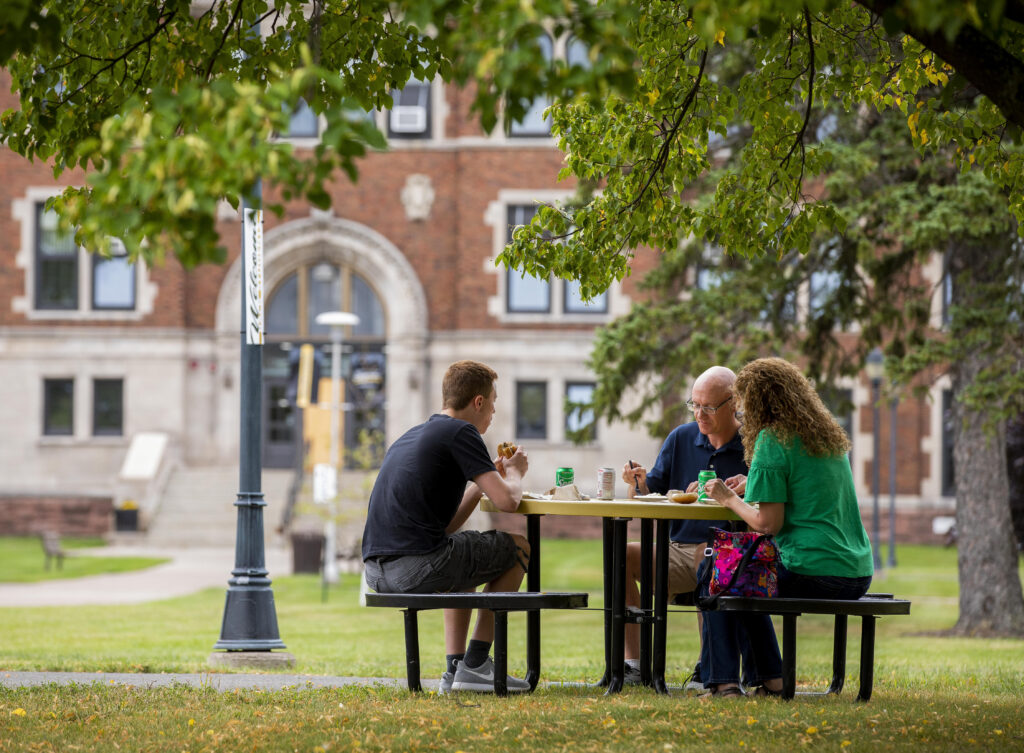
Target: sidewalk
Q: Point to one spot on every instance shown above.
(189, 570)
(215, 680)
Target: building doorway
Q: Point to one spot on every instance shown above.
(295, 301)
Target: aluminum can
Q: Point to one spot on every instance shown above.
(564, 476)
(605, 483)
(702, 478)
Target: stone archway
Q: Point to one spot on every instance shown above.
(322, 236)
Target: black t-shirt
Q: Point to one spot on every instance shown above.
(420, 485)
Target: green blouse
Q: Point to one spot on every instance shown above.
(823, 533)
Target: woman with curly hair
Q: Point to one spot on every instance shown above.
(801, 482)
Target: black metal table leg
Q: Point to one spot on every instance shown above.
(838, 655)
(533, 618)
(661, 608)
(606, 553)
(412, 650)
(646, 583)
(788, 655)
(867, 657)
(500, 652)
(618, 603)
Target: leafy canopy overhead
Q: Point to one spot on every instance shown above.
(738, 101)
(172, 106)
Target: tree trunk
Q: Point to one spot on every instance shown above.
(991, 602)
(1015, 473)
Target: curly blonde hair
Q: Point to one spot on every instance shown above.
(775, 395)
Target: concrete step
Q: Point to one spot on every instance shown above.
(198, 507)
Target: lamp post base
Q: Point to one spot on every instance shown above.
(252, 659)
(250, 621)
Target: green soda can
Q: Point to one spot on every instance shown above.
(564, 476)
(702, 478)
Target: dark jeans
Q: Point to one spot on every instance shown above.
(724, 633)
(795, 586)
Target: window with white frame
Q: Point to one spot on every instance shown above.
(108, 407)
(577, 52)
(410, 114)
(824, 281)
(113, 280)
(526, 294)
(574, 303)
(58, 407)
(709, 274)
(304, 122)
(578, 417)
(531, 410)
(58, 262)
(534, 122)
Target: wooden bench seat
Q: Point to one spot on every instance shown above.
(869, 608)
(500, 602)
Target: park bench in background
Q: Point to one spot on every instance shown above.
(500, 602)
(52, 549)
(869, 608)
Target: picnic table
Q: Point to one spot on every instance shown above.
(615, 515)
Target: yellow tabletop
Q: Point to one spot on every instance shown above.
(656, 509)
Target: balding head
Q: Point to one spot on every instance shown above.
(713, 389)
(717, 378)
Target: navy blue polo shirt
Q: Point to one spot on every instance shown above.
(684, 454)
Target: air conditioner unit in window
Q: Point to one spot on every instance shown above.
(408, 119)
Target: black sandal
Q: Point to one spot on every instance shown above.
(730, 692)
(763, 691)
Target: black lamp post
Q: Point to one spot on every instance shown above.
(893, 405)
(250, 618)
(875, 368)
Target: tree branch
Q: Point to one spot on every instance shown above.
(224, 38)
(663, 153)
(113, 61)
(994, 70)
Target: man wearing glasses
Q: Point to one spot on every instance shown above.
(712, 442)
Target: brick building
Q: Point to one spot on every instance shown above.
(119, 378)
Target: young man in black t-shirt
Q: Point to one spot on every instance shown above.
(431, 480)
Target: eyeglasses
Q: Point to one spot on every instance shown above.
(707, 410)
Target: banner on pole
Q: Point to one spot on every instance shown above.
(252, 247)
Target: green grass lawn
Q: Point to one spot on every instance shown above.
(939, 693)
(22, 560)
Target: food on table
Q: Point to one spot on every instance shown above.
(683, 498)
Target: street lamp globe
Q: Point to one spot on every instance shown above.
(335, 319)
(874, 367)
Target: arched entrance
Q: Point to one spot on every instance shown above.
(315, 287)
(324, 263)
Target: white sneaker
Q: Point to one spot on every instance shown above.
(445, 685)
(694, 682)
(481, 679)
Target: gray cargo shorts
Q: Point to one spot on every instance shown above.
(467, 560)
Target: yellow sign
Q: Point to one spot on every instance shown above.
(316, 425)
(304, 387)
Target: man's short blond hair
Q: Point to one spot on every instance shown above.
(464, 380)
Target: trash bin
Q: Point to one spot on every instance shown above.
(307, 551)
(126, 520)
